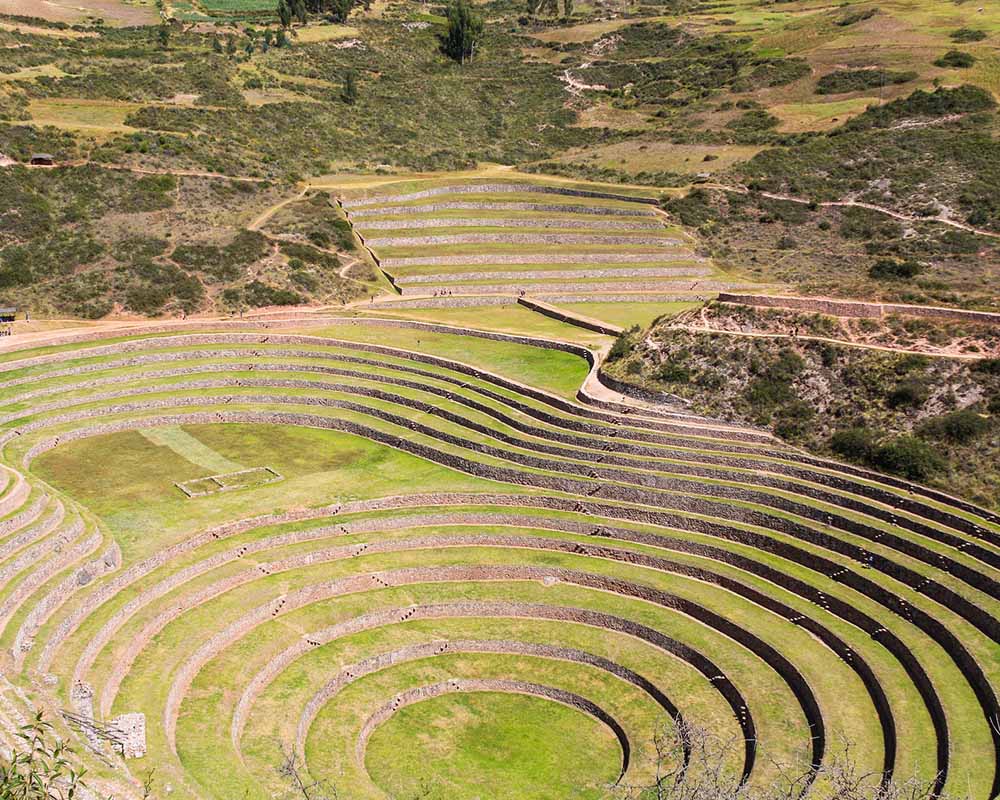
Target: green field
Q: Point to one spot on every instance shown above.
(414, 606)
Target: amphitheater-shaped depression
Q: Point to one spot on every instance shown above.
(407, 540)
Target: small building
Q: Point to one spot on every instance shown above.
(42, 160)
(8, 314)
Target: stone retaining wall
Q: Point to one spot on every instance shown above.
(853, 308)
(637, 224)
(494, 646)
(486, 259)
(420, 693)
(34, 533)
(690, 504)
(570, 318)
(597, 288)
(558, 208)
(523, 238)
(407, 576)
(804, 459)
(28, 515)
(494, 188)
(107, 562)
(555, 274)
(501, 453)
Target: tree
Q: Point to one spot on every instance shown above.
(350, 93)
(284, 13)
(163, 36)
(39, 766)
(280, 39)
(465, 29)
(231, 45)
(216, 45)
(340, 10)
(567, 8)
(299, 11)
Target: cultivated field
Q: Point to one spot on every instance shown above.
(417, 559)
(469, 242)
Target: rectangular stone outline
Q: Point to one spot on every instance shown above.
(275, 476)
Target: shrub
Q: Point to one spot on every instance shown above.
(967, 35)
(960, 426)
(909, 393)
(793, 419)
(854, 444)
(258, 294)
(988, 366)
(910, 457)
(672, 372)
(623, 344)
(956, 59)
(891, 269)
(857, 80)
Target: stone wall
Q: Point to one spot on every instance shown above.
(634, 224)
(655, 257)
(853, 308)
(472, 205)
(494, 188)
(554, 274)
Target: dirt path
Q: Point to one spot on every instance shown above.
(857, 204)
(843, 342)
(263, 218)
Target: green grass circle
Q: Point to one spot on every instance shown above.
(492, 745)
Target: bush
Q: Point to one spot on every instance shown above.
(960, 426)
(988, 366)
(258, 294)
(909, 393)
(672, 372)
(890, 269)
(964, 35)
(623, 344)
(856, 80)
(956, 59)
(854, 444)
(910, 457)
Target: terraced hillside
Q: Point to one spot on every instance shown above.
(417, 572)
(476, 242)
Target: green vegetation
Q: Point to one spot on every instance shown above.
(858, 80)
(927, 419)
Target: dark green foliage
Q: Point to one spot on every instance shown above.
(150, 286)
(623, 345)
(258, 294)
(39, 766)
(774, 72)
(773, 386)
(854, 444)
(960, 426)
(465, 30)
(673, 372)
(222, 263)
(693, 209)
(350, 92)
(756, 120)
(908, 393)
(856, 17)
(792, 420)
(965, 35)
(328, 262)
(890, 269)
(857, 80)
(956, 59)
(987, 366)
(909, 457)
(941, 102)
